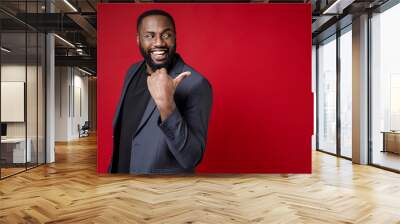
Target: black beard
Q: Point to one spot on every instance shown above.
(154, 66)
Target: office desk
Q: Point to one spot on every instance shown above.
(391, 141)
(13, 150)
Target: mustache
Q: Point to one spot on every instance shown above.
(158, 49)
(146, 53)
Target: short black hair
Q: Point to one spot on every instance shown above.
(154, 12)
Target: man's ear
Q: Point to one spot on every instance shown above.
(137, 38)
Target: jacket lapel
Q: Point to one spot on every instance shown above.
(151, 106)
(131, 74)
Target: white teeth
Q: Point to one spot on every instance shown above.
(158, 52)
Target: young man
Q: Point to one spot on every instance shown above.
(160, 125)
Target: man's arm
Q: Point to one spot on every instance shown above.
(186, 130)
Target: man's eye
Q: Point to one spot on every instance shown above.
(166, 35)
(148, 36)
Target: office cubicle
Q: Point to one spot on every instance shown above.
(22, 77)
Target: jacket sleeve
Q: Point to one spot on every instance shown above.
(186, 129)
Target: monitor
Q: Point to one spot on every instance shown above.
(3, 129)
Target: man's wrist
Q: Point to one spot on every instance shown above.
(166, 110)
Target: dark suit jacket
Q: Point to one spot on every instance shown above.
(177, 144)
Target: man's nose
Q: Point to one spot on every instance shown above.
(159, 41)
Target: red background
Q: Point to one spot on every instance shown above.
(257, 58)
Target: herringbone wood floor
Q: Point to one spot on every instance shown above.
(70, 191)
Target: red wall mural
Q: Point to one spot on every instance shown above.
(257, 58)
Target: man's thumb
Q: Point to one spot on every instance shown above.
(180, 77)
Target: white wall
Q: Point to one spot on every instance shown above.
(12, 73)
(61, 103)
(81, 103)
(33, 127)
(71, 94)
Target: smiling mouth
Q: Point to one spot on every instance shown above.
(159, 55)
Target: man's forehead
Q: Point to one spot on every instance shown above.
(156, 22)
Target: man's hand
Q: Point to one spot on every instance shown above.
(162, 88)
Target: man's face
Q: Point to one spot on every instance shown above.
(156, 39)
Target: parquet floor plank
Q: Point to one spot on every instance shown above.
(70, 191)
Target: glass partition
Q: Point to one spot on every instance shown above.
(385, 89)
(346, 93)
(41, 96)
(32, 95)
(22, 77)
(14, 153)
(327, 96)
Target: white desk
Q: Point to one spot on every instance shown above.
(18, 149)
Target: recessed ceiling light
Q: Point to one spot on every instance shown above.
(5, 50)
(70, 5)
(64, 40)
(338, 6)
(84, 71)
